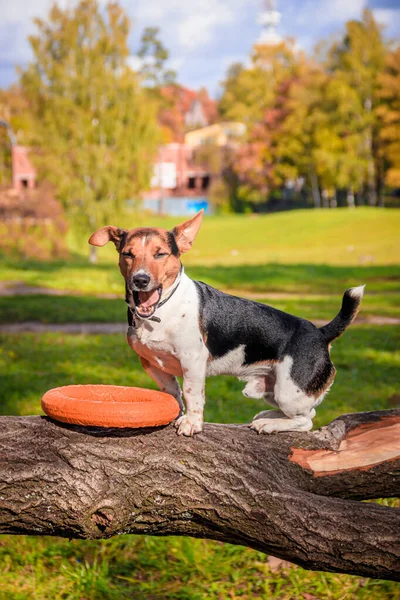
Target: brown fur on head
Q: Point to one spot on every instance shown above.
(154, 251)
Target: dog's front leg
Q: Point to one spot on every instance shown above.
(166, 382)
(194, 393)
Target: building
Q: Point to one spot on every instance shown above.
(269, 19)
(218, 134)
(23, 172)
(185, 109)
(180, 185)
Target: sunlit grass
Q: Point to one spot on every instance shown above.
(333, 237)
(311, 255)
(300, 251)
(368, 361)
(86, 309)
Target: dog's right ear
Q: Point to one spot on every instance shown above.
(107, 234)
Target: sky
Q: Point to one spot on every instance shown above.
(204, 37)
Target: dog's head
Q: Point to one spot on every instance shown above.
(149, 258)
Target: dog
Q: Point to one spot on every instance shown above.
(185, 328)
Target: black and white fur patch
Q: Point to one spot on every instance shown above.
(204, 332)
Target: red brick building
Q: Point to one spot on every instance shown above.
(23, 172)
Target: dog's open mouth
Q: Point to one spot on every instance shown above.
(147, 302)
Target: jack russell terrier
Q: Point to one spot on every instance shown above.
(185, 328)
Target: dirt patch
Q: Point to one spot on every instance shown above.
(19, 288)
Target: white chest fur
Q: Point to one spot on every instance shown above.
(172, 343)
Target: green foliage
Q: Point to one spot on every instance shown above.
(95, 126)
(248, 92)
(357, 61)
(154, 55)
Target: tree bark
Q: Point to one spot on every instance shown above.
(292, 495)
(315, 188)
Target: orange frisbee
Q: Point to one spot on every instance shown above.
(110, 406)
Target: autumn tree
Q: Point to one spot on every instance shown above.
(249, 91)
(389, 115)
(316, 120)
(357, 60)
(95, 126)
(256, 95)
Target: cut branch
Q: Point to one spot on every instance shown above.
(293, 495)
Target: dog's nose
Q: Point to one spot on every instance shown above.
(141, 280)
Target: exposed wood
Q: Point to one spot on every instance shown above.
(227, 483)
(367, 445)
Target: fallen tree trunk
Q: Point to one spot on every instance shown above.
(292, 495)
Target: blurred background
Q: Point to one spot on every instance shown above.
(282, 120)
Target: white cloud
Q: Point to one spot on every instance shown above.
(197, 30)
(204, 37)
(191, 25)
(134, 62)
(329, 11)
(387, 16)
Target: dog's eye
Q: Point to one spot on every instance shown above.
(128, 255)
(161, 254)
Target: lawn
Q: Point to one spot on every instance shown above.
(300, 262)
(315, 252)
(368, 360)
(89, 309)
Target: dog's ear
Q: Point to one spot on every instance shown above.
(107, 234)
(187, 231)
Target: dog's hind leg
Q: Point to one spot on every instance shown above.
(269, 421)
(261, 386)
(296, 407)
(166, 382)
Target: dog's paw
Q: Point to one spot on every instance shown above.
(263, 425)
(188, 426)
(274, 423)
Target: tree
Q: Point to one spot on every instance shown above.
(359, 58)
(320, 139)
(249, 92)
(294, 495)
(256, 96)
(389, 115)
(218, 163)
(95, 127)
(154, 55)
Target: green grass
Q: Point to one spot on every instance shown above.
(86, 309)
(300, 252)
(310, 255)
(335, 237)
(368, 360)
(78, 276)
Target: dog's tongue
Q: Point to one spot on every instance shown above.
(147, 299)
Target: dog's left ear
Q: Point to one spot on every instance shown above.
(187, 231)
(107, 234)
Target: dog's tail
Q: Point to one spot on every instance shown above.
(350, 305)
